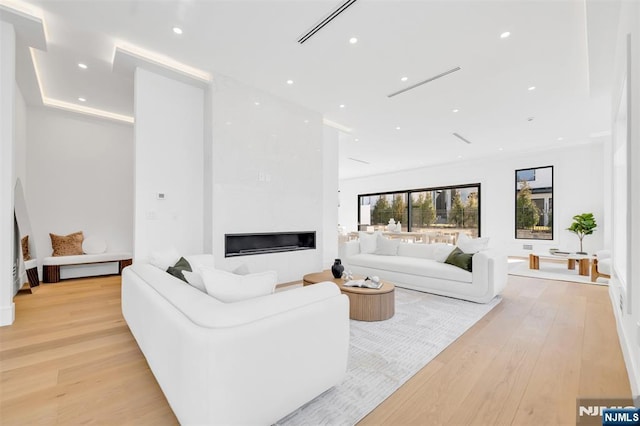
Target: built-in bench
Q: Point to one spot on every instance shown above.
(51, 265)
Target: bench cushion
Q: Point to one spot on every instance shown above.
(86, 258)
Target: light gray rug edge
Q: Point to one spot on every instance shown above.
(424, 325)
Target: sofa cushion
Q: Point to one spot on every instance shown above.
(367, 242)
(229, 287)
(437, 251)
(429, 268)
(472, 245)
(386, 246)
(162, 259)
(177, 270)
(195, 280)
(604, 266)
(67, 245)
(460, 259)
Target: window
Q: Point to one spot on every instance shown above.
(449, 210)
(534, 203)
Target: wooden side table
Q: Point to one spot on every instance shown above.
(365, 304)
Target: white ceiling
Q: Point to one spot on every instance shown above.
(256, 42)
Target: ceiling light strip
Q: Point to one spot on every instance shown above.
(163, 61)
(326, 20)
(68, 106)
(336, 126)
(359, 161)
(406, 89)
(461, 138)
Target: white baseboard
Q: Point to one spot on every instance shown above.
(633, 369)
(7, 314)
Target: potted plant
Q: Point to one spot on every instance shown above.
(583, 224)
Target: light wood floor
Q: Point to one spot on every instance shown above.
(70, 359)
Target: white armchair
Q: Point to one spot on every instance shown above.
(601, 266)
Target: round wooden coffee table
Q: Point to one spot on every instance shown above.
(365, 304)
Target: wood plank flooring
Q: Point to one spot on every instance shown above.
(69, 359)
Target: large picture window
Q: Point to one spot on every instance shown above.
(534, 203)
(449, 209)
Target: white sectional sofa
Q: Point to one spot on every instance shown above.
(250, 362)
(414, 266)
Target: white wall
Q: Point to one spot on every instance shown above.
(7, 99)
(267, 174)
(628, 319)
(79, 178)
(330, 222)
(168, 159)
(20, 155)
(578, 188)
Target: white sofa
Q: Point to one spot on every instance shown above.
(414, 267)
(248, 363)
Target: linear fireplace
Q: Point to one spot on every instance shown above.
(272, 242)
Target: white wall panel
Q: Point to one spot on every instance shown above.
(169, 160)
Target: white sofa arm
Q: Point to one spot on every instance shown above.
(489, 273)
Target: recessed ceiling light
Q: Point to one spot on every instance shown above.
(356, 140)
(82, 99)
(228, 123)
(289, 82)
(177, 30)
(83, 66)
(459, 156)
(306, 121)
(341, 105)
(404, 79)
(353, 40)
(499, 149)
(505, 34)
(531, 88)
(560, 138)
(397, 127)
(455, 110)
(256, 103)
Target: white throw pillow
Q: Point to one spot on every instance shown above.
(200, 260)
(165, 258)
(386, 246)
(229, 287)
(94, 245)
(195, 280)
(472, 245)
(367, 242)
(442, 252)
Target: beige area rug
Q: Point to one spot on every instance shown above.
(383, 355)
(551, 271)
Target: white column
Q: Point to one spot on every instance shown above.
(7, 99)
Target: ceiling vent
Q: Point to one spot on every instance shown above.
(435, 77)
(359, 161)
(461, 138)
(330, 17)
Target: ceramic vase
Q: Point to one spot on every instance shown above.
(337, 269)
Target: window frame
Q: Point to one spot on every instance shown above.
(408, 192)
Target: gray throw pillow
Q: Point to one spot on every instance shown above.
(176, 270)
